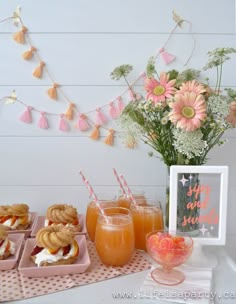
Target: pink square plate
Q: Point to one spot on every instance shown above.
(29, 229)
(11, 261)
(29, 269)
(39, 223)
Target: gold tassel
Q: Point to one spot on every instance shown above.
(52, 92)
(109, 140)
(95, 134)
(39, 70)
(70, 111)
(28, 54)
(19, 37)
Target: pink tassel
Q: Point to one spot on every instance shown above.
(166, 57)
(82, 123)
(132, 95)
(63, 125)
(120, 104)
(113, 111)
(100, 117)
(43, 122)
(26, 116)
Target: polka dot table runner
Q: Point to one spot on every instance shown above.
(14, 286)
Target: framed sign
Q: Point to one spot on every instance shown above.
(198, 202)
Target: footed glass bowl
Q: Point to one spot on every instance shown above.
(169, 250)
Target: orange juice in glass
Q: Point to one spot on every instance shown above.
(147, 218)
(114, 237)
(93, 212)
(125, 201)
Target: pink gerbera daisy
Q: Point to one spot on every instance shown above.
(231, 118)
(158, 91)
(191, 86)
(188, 111)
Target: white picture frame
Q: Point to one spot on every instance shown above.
(222, 171)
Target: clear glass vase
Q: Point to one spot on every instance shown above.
(186, 217)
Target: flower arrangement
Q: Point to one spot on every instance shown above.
(181, 117)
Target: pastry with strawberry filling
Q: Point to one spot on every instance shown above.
(7, 247)
(55, 245)
(63, 215)
(15, 217)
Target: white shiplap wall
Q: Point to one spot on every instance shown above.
(82, 41)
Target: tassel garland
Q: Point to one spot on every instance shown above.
(70, 111)
(166, 57)
(28, 54)
(109, 140)
(113, 111)
(39, 70)
(19, 37)
(82, 123)
(43, 122)
(95, 133)
(120, 104)
(63, 125)
(52, 92)
(26, 116)
(100, 117)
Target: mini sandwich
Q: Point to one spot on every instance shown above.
(55, 246)
(15, 217)
(7, 247)
(63, 215)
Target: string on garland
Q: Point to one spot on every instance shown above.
(84, 122)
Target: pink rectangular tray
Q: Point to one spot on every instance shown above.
(39, 223)
(11, 261)
(26, 232)
(28, 268)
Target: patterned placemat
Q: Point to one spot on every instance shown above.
(14, 286)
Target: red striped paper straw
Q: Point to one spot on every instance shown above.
(128, 189)
(118, 180)
(92, 193)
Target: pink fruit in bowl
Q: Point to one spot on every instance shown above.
(169, 250)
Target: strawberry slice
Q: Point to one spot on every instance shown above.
(1, 242)
(36, 250)
(75, 222)
(66, 250)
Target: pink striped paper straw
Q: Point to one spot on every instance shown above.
(118, 180)
(92, 193)
(128, 189)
